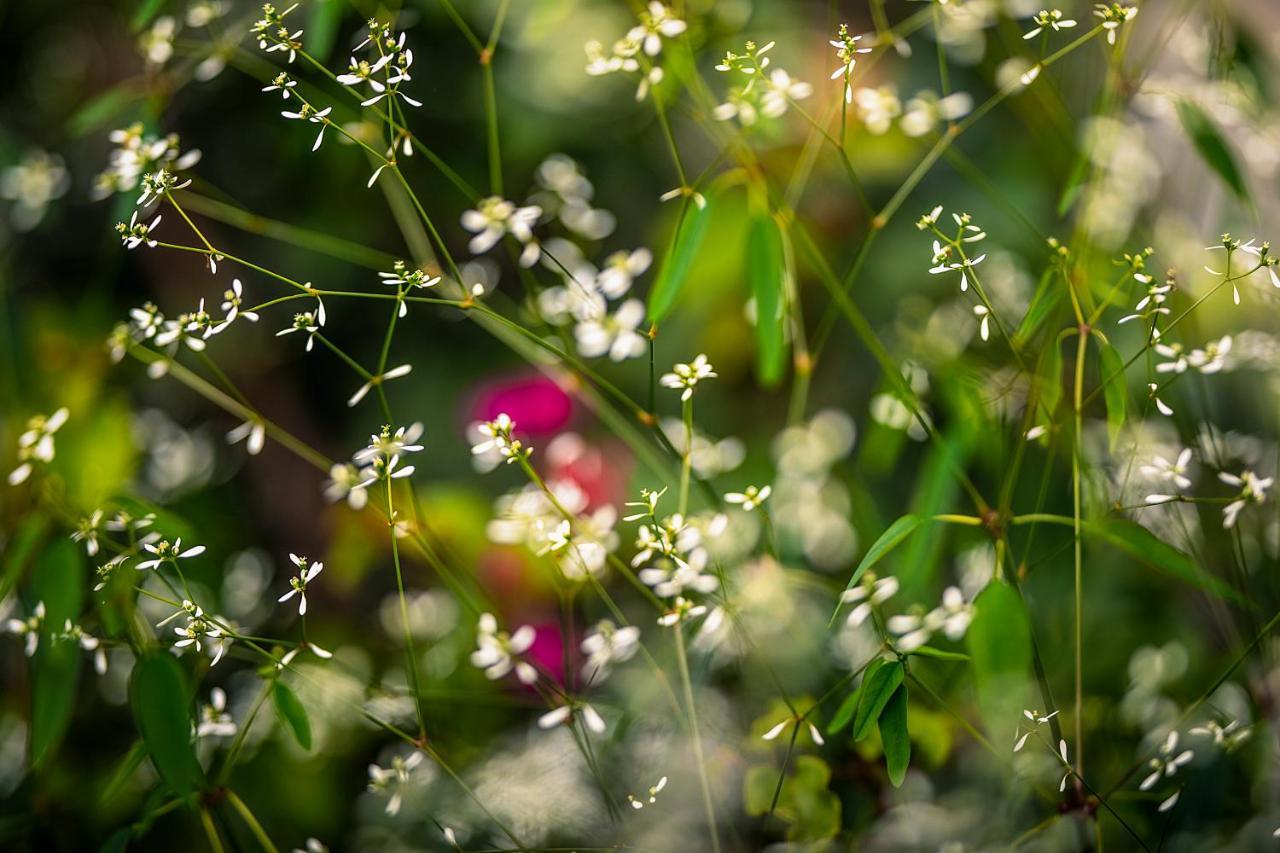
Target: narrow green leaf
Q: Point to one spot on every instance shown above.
(292, 713)
(675, 268)
(766, 272)
(894, 736)
(1049, 378)
(1141, 544)
(1075, 181)
(999, 641)
(931, 652)
(1210, 145)
(877, 689)
(57, 582)
(128, 764)
(322, 27)
(20, 548)
(103, 109)
(1112, 376)
(1048, 294)
(890, 539)
(844, 714)
(161, 703)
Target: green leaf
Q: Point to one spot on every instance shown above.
(675, 269)
(931, 652)
(1049, 379)
(292, 713)
(999, 641)
(134, 757)
(58, 582)
(766, 272)
(1075, 181)
(894, 736)
(1141, 544)
(844, 714)
(147, 9)
(322, 27)
(1113, 388)
(877, 689)
(890, 539)
(1210, 145)
(161, 703)
(1048, 294)
(103, 109)
(20, 548)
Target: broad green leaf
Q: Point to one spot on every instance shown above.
(894, 736)
(877, 689)
(931, 652)
(890, 539)
(161, 703)
(1210, 145)
(292, 713)
(58, 582)
(675, 268)
(805, 800)
(999, 641)
(844, 714)
(766, 272)
(1141, 544)
(1112, 376)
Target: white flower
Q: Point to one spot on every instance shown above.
(952, 617)
(868, 594)
(393, 779)
(310, 114)
(496, 650)
(1162, 469)
(656, 23)
(393, 373)
(984, 325)
(1213, 358)
(687, 376)
(773, 733)
(496, 437)
(38, 179)
(344, 482)
(36, 444)
(137, 233)
(654, 790)
(254, 430)
(1037, 720)
(87, 532)
(750, 498)
(614, 334)
(1176, 359)
(495, 217)
(1167, 762)
(780, 91)
(1049, 18)
(563, 713)
(310, 322)
(214, 719)
(607, 645)
(620, 270)
(847, 52)
(28, 628)
(877, 108)
(1253, 489)
(1113, 16)
(942, 265)
(926, 111)
(166, 552)
(281, 83)
(387, 445)
(681, 610)
(298, 583)
(232, 300)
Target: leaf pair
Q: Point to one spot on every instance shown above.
(880, 702)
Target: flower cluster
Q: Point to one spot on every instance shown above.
(764, 94)
(138, 153)
(636, 52)
(36, 445)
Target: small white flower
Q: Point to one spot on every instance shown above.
(681, 610)
(654, 790)
(87, 532)
(750, 498)
(254, 430)
(166, 552)
(1023, 732)
(613, 334)
(1253, 489)
(1176, 471)
(28, 628)
(36, 444)
(495, 217)
(392, 780)
(620, 270)
(393, 373)
(344, 482)
(298, 583)
(496, 436)
(868, 594)
(563, 713)
(687, 376)
(1167, 762)
(1053, 19)
(215, 721)
(496, 651)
